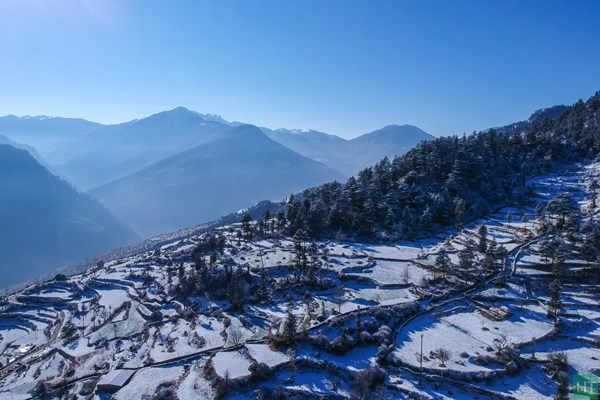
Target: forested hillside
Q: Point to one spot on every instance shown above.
(448, 181)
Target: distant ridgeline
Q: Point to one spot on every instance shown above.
(450, 180)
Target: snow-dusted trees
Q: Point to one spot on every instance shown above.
(443, 354)
(442, 265)
(247, 230)
(290, 325)
(482, 246)
(555, 303)
(450, 180)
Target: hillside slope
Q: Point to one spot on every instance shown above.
(45, 222)
(243, 311)
(450, 180)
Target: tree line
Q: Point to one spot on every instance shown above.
(447, 181)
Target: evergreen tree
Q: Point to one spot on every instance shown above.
(555, 302)
(290, 325)
(482, 247)
(562, 391)
(247, 227)
(459, 213)
(442, 264)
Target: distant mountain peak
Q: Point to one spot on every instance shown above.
(180, 109)
(394, 130)
(244, 130)
(213, 118)
(182, 112)
(396, 127)
(176, 114)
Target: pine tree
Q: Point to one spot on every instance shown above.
(289, 328)
(562, 391)
(558, 260)
(247, 227)
(442, 264)
(555, 302)
(482, 247)
(459, 213)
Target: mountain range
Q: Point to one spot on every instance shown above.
(483, 275)
(91, 155)
(350, 156)
(147, 169)
(210, 180)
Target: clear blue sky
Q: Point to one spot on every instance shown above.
(344, 67)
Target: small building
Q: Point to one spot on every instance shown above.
(24, 349)
(114, 380)
(495, 313)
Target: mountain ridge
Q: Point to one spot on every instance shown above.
(223, 174)
(90, 167)
(46, 223)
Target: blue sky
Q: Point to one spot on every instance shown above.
(344, 67)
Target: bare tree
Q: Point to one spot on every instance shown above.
(235, 335)
(444, 355)
(334, 381)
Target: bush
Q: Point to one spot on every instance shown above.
(259, 371)
(320, 341)
(367, 380)
(166, 391)
(382, 334)
(382, 314)
(69, 332)
(557, 362)
(341, 344)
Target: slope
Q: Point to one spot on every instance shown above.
(328, 149)
(45, 222)
(350, 156)
(389, 141)
(210, 180)
(32, 151)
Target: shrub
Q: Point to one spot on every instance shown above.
(259, 371)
